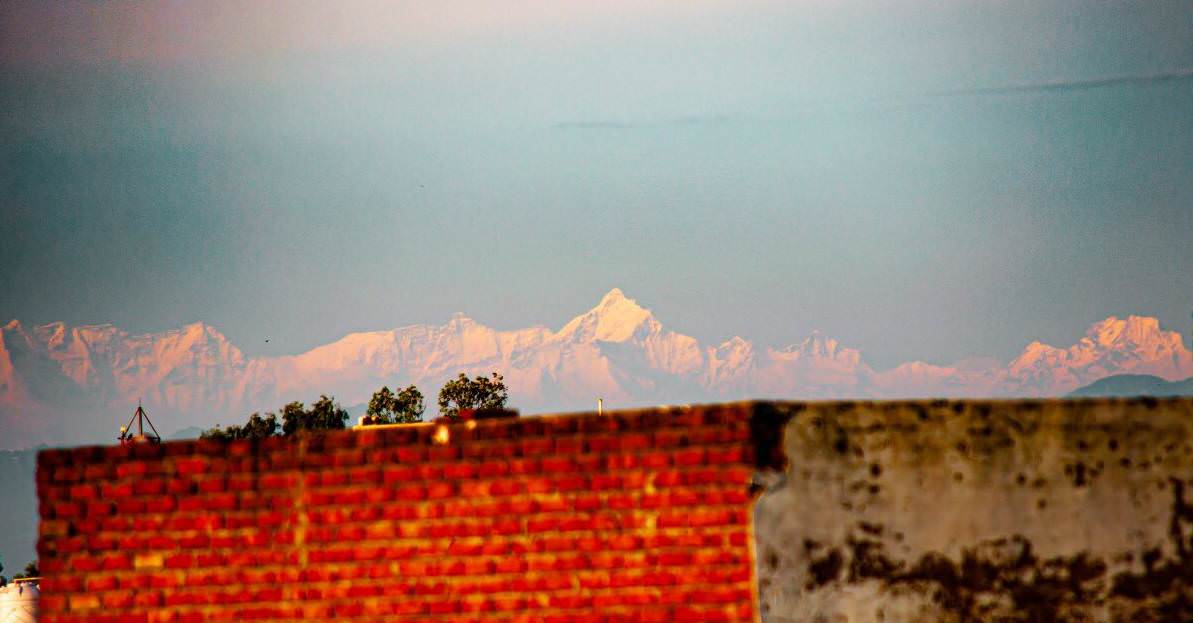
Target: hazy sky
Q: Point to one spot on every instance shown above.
(297, 171)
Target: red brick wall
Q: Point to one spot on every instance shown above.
(642, 516)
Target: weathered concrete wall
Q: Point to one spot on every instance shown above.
(980, 511)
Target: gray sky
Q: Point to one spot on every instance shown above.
(921, 180)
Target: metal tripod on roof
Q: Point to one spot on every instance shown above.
(141, 418)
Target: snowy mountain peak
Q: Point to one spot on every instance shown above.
(816, 344)
(1035, 350)
(615, 302)
(616, 318)
(734, 352)
(195, 333)
(612, 296)
(460, 319)
(1135, 344)
(50, 332)
(1131, 330)
(735, 343)
(817, 349)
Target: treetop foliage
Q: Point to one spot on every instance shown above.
(257, 427)
(480, 393)
(404, 407)
(324, 414)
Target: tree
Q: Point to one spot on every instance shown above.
(481, 393)
(404, 407)
(325, 414)
(257, 427)
(294, 418)
(31, 571)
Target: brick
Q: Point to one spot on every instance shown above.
(220, 502)
(83, 493)
(396, 474)
(85, 601)
(160, 504)
(98, 471)
(116, 561)
(191, 466)
(117, 600)
(129, 506)
(98, 583)
(179, 561)
(368, 475)
(181, 486)
(214, 484)
(735, 454)
(148, 560)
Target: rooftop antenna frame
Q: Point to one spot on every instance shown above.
(141, 418)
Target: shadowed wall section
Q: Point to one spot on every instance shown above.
(641, 516)
(894, 512)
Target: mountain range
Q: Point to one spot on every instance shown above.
(65, 385)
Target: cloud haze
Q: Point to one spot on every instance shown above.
(170, 33)
(1074, 85)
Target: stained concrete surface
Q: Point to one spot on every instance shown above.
(1015, 511)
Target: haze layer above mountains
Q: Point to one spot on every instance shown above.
(69, 385)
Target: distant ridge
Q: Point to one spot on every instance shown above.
(1131, 385)
(190, 432)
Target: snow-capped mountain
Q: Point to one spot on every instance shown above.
(1133, 345)
(62, 384)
